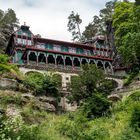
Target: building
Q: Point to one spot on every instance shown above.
(33, 52)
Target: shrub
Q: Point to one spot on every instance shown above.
(96, 106)
(34, 82)
(135, 118)
(135, 96)
(41, 84)
(58, 79)
(98, 133)
(127, 134)
(130, 78)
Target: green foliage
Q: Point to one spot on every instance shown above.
(126, 23)
(130, 78)
(10, 99)
(86, 83)
(135, 119)
(135, 96)
(50, 86)
(137, 2)
(8, 21)
(9, 69)
(96, 105)
(58, 79)
(106, 86)
(74, 126)
(98, 133)
(41, 85)
(123, 119)
(14, 129)
(34, 81)
(127, 134)
(98, 25)
(3, 59)
(84, 89)
(73, 26)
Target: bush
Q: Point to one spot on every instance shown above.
(135, 96)
(135, 118)
(98, 133)
(74, 126)
(130, 78)
(106, 86)
(58, 79)
(96, 106)
(34, 82)
(127, 134)
(41, 85)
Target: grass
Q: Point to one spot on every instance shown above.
(73, 126)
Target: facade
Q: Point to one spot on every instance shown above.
(34, 52)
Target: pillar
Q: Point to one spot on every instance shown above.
(72, 63)
(28, 58)
(55, 61)
(104, 67)
(37, 54)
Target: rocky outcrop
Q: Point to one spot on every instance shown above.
(6, 83)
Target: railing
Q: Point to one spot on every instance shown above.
(60, 68)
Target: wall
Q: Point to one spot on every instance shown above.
(66, 77)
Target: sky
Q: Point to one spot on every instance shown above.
(49, 18)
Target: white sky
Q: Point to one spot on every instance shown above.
(49, 17)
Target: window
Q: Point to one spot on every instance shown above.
(98, 53)
(79, 50)
(106, 54)
(57, 47)
(24, 41)
(49, 46)
(64, 49)
(67, 78)
(29, 42)
(72, 50)
(19, 41)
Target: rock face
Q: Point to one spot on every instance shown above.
(49, 107)
(114, 97)
(12, 111)
(66, 106)
(6, 83)
(49, 103)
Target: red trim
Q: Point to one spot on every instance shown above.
(80, 55)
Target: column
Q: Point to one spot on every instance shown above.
(64, 58)
(72, 63)
(28, 58)
(37, 54)
(111, 67)
(46, 59)
(95, 63)
(104, 67)
(55, 60)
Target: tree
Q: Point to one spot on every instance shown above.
(126, 21)
(93, 28)
(96, 105)
(84, 85)
(73, 26)
(98, 25)
(8, 21)
(137, 2)
(87, 92)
